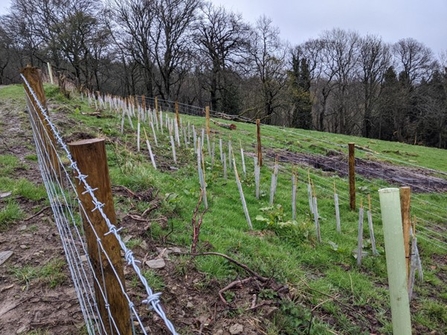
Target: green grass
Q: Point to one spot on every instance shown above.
(9, 213)
(8, 164)
(51, 274)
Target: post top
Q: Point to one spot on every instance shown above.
(86, 141)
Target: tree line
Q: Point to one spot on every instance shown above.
(201, 54)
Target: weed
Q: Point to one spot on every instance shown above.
(154, 280)
(9, 213)
(38, 332)
(8, 163)
(30, 191)
(133, 243)
(51, 273)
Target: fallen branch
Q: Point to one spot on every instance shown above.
(39, 212)
(243, 266)
(230, 126)
(153, 206)
(136, 217)
(236, 283)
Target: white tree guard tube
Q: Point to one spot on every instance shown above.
(395, 260)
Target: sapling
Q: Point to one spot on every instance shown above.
(201, 173)
(194, 138)
(230, 153)
(225, 166)
(274, 181)
(257, 177)
(208, 144)
(221, 150)
(138, 136)
(294, 188)
(309, 192)
(337, 210)
(155, 135)
(241, 194)
(360, 236)
(173, 149)
(316, 217)
(185, 140)
(371, 228)
(150, 150)
(244, 170)
(177, 132)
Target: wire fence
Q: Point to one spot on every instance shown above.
(62, 192)
(58, 169)
(427, 212)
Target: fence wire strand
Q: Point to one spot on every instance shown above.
(62, 195)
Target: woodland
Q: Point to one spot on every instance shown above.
(197, 53)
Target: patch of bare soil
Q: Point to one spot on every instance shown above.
(28, 303)
(419, 179)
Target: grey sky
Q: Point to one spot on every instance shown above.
(4, 4)
(298, 21)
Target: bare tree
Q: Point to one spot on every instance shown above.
(132, 33)
(222, 41)
(414, 59)
(171, 39)
(268, 55)
(375, 59)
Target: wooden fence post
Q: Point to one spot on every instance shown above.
(207, 122)
(33, 77)
(258, 136)
(405, 193)
(352, 176)
(156, 112)
(177, 115)
(143, 103)
(90, 156)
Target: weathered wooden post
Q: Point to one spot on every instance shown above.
(207, 122)
(405, 193)
(352, 176)
(258, 136)
(156, 112)
(143, 103)
(177, 115)
(33, 77)
(90, 156)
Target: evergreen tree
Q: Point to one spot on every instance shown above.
(300, 91)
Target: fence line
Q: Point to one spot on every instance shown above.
(169, 106)
(61, 192)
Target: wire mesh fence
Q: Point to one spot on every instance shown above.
(61, 176)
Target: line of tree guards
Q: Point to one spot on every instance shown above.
(200, 54)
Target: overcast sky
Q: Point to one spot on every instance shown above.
(424, 20)
(298, 21)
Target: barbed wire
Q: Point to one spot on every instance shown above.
(84, 291)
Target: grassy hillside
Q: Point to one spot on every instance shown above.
(312, 288)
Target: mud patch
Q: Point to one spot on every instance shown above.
(420, 180)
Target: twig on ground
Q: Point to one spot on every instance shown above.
(243, 266)
(39, 212)
(236, 283)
